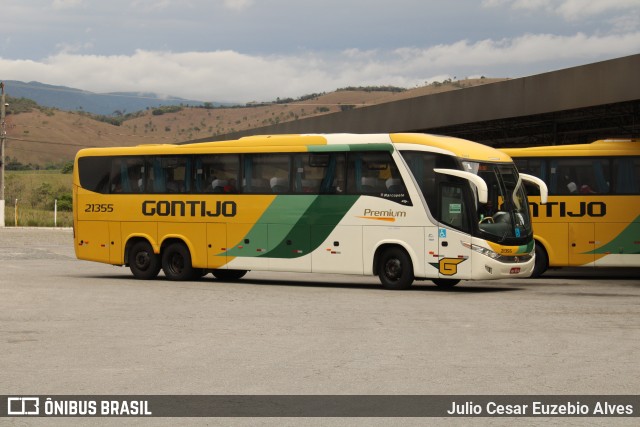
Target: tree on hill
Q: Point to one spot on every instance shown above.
(20, 105)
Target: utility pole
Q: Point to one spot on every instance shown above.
(3, 133)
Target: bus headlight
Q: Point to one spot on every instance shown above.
(482, 250)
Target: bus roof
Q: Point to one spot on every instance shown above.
(314, 143)
(603, 147)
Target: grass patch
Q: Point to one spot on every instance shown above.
(36, 192)
(29, 217)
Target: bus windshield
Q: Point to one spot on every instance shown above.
(506, 213)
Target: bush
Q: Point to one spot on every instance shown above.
(67, 167)
(166, 109)
(65, 202)
(41, 196)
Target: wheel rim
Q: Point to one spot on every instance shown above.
(393, 269)
(176, 263)
(143, 260)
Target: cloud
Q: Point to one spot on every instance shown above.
(576, 9)
(226, 75)
(570, 10)
(66, 4)
(238, 4)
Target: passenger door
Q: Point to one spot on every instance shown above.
(454, 260)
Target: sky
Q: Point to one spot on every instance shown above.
(261, 50)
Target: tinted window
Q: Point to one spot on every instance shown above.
(216, 173)
(421, 165)
(318, 173)
(94, 173)
(375, 174)
(128, 175)
(266, 173)
(626, 175)
(579, 176)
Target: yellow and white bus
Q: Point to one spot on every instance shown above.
(399, 206)
(592, 217)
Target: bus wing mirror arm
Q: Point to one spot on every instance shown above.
(481, 185)
(544, 191)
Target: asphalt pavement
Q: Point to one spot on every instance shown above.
(78, 327)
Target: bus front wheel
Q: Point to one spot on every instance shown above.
(176, 262)
(144, 264)
(395, 269)
(542, 261)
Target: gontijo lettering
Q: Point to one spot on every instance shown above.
(592, 209)
(188, 208)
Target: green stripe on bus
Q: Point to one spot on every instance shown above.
(286, 226)
(283, 210)
(625, 243)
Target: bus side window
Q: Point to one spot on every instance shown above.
(308, 172)
(119, 182)
(362, 178)
(216, 173)
(175, 172)
(373, 173)
(333, 179)
(626, 171)
(94, 173)
(579, 176)
(135, 175)
(421, 165)
(266, 173)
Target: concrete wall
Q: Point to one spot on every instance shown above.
(606, 82)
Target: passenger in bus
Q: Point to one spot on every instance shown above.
(310, 185)
(230, 187)
(368, 184)
(116, 187)
(174, 185)
(279, 185)
(394, 185)
(218, 185)
(586, 189)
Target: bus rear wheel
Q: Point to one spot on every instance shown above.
(176, 262)
(395, 269)
(144, 264)
(229, 275)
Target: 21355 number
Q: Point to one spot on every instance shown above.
(103, 207)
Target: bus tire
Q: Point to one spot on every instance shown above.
(176, 262)
(229, 275)
(144, 264)
(542, 260)
(445, 283)
(395, 269)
